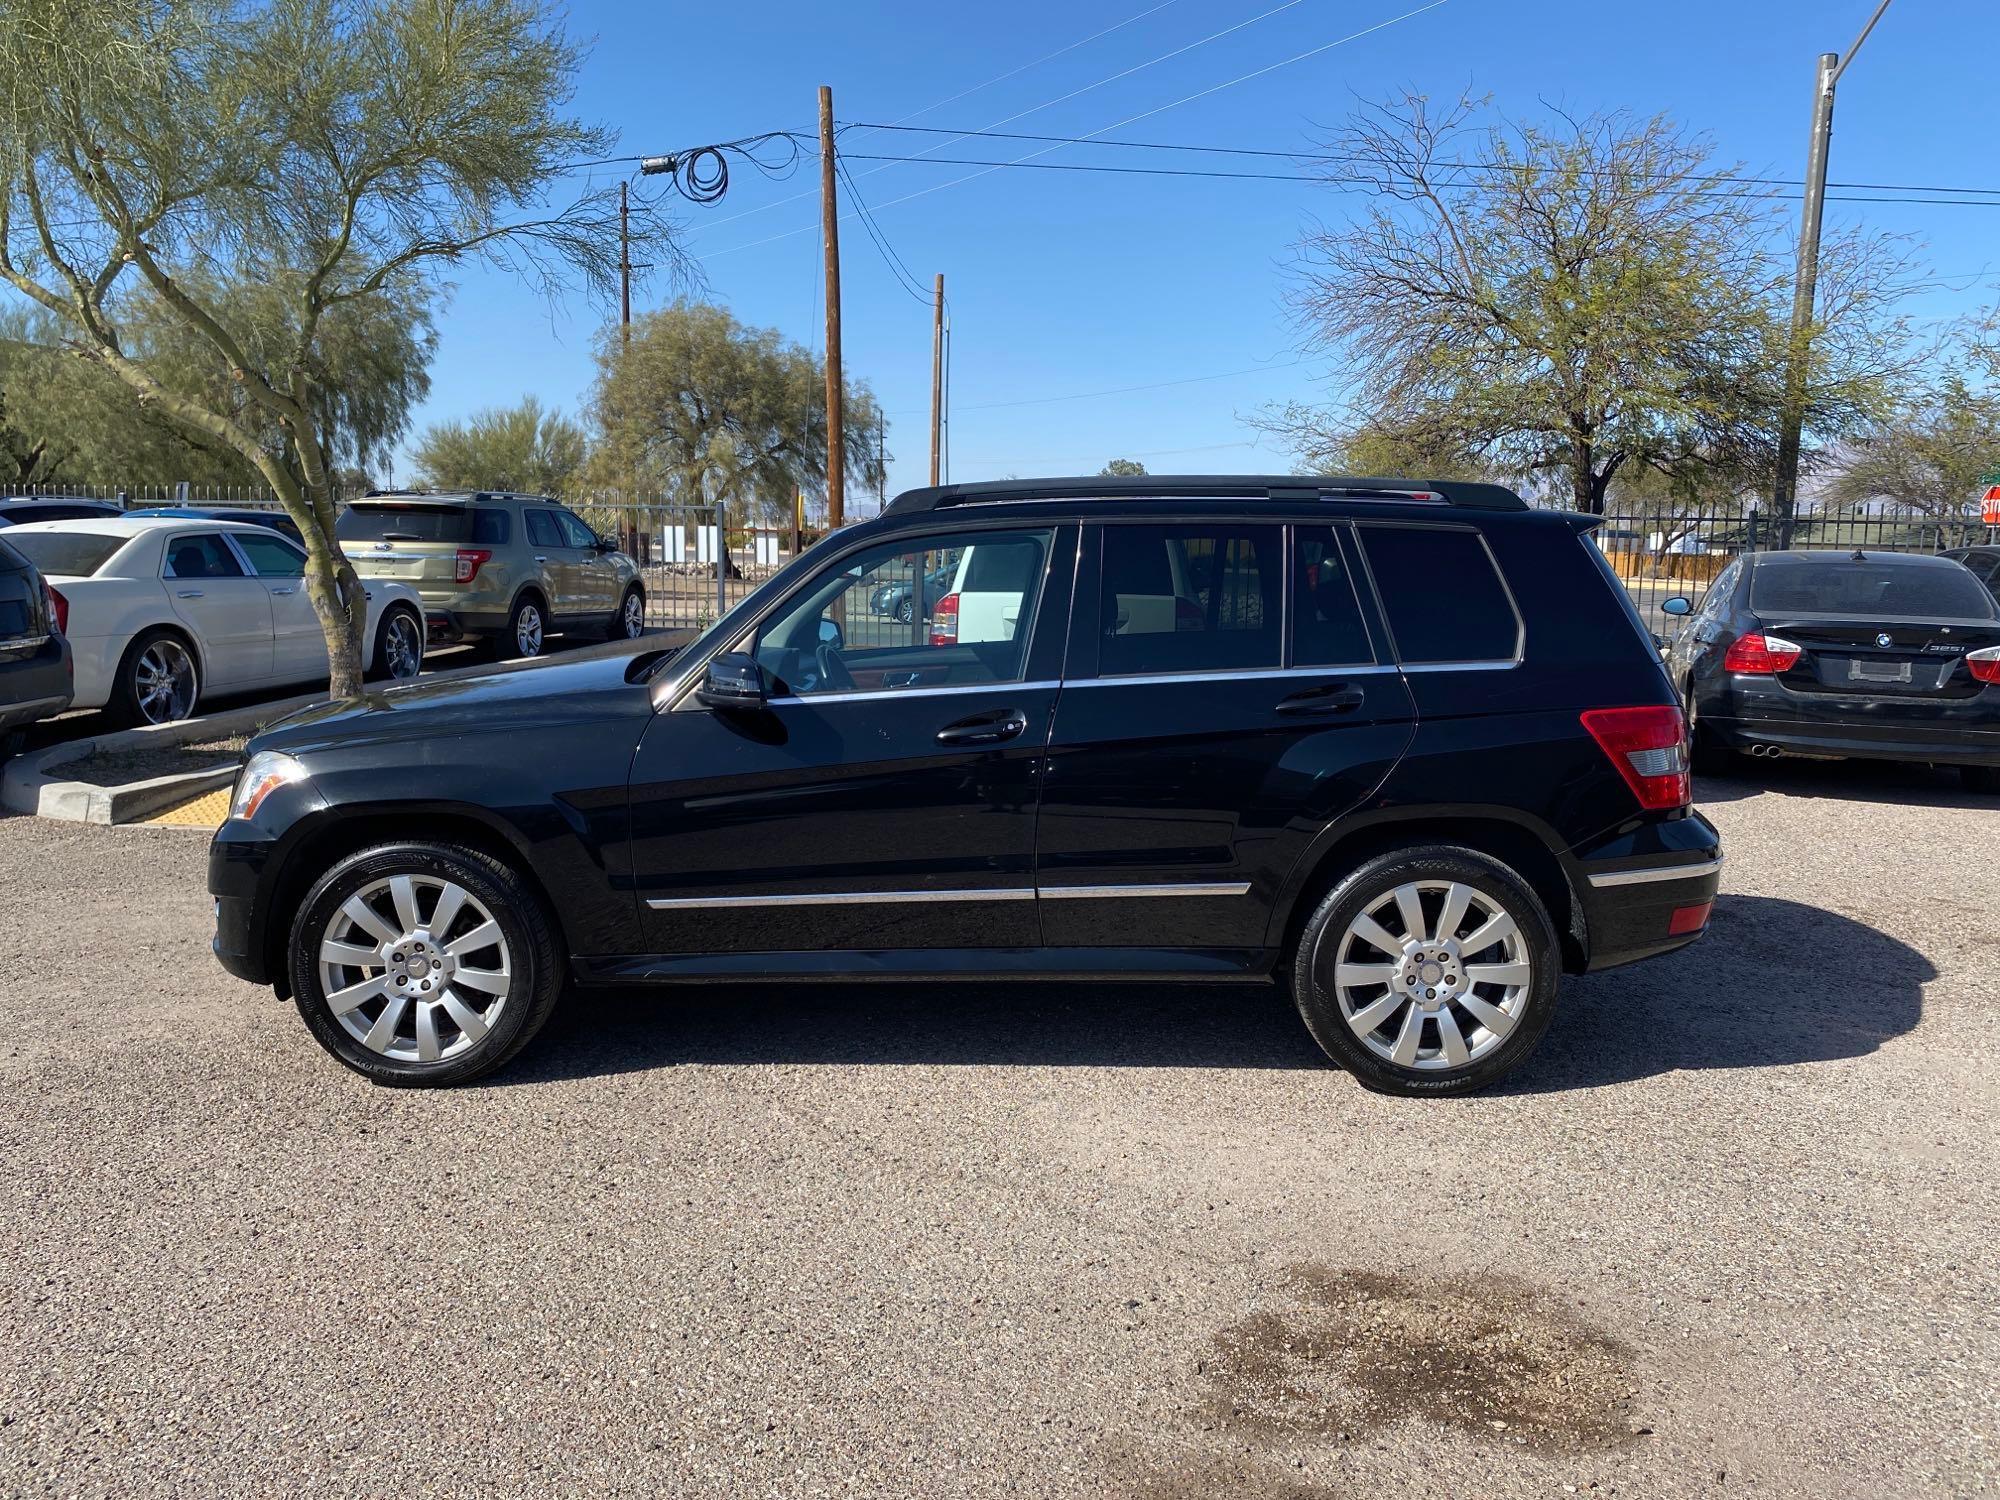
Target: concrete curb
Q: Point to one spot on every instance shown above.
(33, 783)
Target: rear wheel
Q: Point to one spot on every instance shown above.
(526, 628)
(1706, 753)
(1430, 970)
(399, 646)
(423, 964)
(158, 681)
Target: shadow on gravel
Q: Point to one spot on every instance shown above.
(1889, 782)
(1772, 984)
(987, 1022)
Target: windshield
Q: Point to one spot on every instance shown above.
(66, 554)
(405, 523)
(1874, 587)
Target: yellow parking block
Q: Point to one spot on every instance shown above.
(206, 811)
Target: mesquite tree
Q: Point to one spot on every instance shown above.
(335, 153)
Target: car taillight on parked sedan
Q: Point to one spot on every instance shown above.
(1984, 665)
(944, 621)
(1761, 655)
(470, 560)
(58, 607)
(1649, 748)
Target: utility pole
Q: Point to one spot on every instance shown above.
(624, 265)
(829, 214)
(1791, 421)
(882, 458)
(937, 376)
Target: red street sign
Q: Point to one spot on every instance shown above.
(1989, 509)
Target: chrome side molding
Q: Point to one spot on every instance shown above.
(997, 893)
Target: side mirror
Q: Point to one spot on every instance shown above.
(829, 634)
(1680, 604)
(732, 680)
(605, 544)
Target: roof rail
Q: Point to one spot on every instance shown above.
(1465, 494)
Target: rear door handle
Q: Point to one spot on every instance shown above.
(985, 729)
(187, 594)
(279, 593)
(1323, 702)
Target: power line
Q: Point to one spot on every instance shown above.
(1130, 119)
(905, 278)
(1312, 156)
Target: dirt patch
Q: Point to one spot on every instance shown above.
(1487, 1355)
(121, 767)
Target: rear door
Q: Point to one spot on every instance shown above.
(561, 565)
(1227, 698)
(227, 611)
(298, 644)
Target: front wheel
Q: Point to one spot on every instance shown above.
(1430, 970)
(420, 964)
(630, 621)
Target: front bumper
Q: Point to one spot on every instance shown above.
(1647, 891)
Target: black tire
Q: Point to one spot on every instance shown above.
(510, 644)
(378, 668)
(1706, 754)
(624, 626)
(1495, 885)
(906, 610)
(1981, 779)
(128, 701)
(534, 965)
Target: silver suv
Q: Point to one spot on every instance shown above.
(507, 568)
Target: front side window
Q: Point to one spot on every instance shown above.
(1190, 597)
(542, 529)
(201, 556)
(1442, 594)
(575, 533)
(270, 556)
(947, 611)
(1326, 616)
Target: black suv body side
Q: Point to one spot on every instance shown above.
(1160, 728)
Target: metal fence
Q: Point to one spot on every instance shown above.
(1658, 554)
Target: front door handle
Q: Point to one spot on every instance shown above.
(985, 729)
(1323, 702)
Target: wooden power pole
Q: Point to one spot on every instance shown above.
(829, 213)
(624, 265)
(937, 376)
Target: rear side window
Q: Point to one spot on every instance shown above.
(1190, 598)
(542, 530)
(201, 556)
(65, 554)
(404, 523)
(1326, 617)
(1843, 585)
(271, 556)
(1442, 594)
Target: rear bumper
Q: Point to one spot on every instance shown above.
(36, 687)
(445, 627)
(1863, 740)
(1648, 891)
(1740, 712)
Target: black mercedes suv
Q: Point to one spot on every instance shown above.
(1405, 743)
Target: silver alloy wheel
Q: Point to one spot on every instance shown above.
(528, 631)
(415, 967)
(1432, 975)
(634, 615)
(402, 647)
(164, 682)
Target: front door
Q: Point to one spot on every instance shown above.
(884, 798)
(596, 576)
(1227, 700)
(228, 612)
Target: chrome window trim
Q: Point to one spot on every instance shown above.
(1465, 666)
(857, 695)
(1258, 673)
(998, 893)
(1654, 873)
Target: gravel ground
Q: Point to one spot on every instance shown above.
(1731, 1232)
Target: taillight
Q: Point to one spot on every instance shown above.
(470, 560)
(1649, 748)
(1764, 655)
(944, 621)
(1985, 665)
(1188, 615)
(58, 607)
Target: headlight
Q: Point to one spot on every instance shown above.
(262, 775)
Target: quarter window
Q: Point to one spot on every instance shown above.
(542, 529)
(202, 556)
(1189, 598)
(1442, 593)
(489, 528)
(1326, 617)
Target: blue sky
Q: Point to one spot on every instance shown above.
(1068, 284)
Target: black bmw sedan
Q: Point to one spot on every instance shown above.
(1834, 655)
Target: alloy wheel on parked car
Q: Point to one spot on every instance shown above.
(528, 630)
(402, 646)
(164, 682)
(632, 617)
